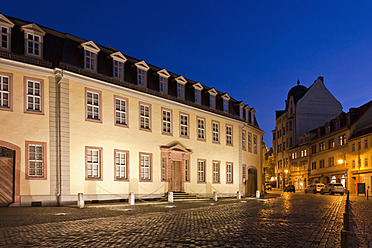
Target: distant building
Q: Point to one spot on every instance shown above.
(78, 117)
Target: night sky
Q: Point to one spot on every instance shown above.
(254, 50)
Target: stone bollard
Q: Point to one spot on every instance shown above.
(80, 202)
(239, 195)
(257, 194)
(170, 197)
(215, 197)
(132, 199)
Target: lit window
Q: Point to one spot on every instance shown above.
(180, 90)
(145, 167)
(5, 37)
(201, 170)
(167, 122)
(229, 137)
(216, 171)
(33, 44)
(5, 91)
(121, 164)
(197, 96)
(120, 111)
(34, 90)
(216, 132)
(229, 173)
(145, 117)
(118, 69)
(90, 60)
(163, 84)
(93, 163)
(201, 129)
(212, 101)
(93, 105)
(331, 161)
(225, 105)
(36, 160)
(141, 77)
(184, 123)
(342, 139)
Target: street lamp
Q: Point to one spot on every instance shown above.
(286, 172)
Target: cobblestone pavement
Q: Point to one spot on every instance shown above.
(290, 220)
(361, 221)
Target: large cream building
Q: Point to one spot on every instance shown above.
(78, 117)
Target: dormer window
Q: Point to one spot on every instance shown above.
(246, 110)
(118, 65)
(212, 98)
(225, 100)
(5, 32)
(163, 80)
(337, 124)
(90, 55)
(197, 89)
(253, 111)
(33, 39)
(181, 81)
(328, 129)
(240, 111)
(142, 69)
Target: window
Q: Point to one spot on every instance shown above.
(5, 38)
(118, 69)
(365, 162)
(247, 115)
(212, 101)
(36, 160)
(241, 112)
(163, 84)
(93, 105)
(229, 173)
(290, 125)
(244, 141)
(216, 132)
(255, 144)
(201, 128)
(180, 90)
(250, 143)
(166, 121)
(321, 147)
(313, 165)
(359, 163)
(145, 117)
(321, 163)
(216, 171)
(359, 145)
(328, 129)
(121, 164)
(90, 60)
(353, 164)
(197, 96)
(243, 173)
(34, 91)
(337, 125)
(229, 135)
(163, 169)
(34, 44)
(225, 105)
(141, 77)
(201, 171)
(145, 166)
(342, 139)
(187, 171)
(6, 91)
(184, 125)
(365, 144)
(121, 111)
(353, 147)
(331, 161)
(93, 158)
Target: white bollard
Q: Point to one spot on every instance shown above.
(170, 196)
(132, 200)
(239, 195)
(215, 197)
(257, 194)
(80, 202)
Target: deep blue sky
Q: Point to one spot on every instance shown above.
(254, 50)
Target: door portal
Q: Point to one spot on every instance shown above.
(176, 176)
(6, 176)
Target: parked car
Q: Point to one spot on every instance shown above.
(289, 188)
(332, 188)
(314, 188)
(268, 186)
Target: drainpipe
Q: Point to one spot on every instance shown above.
(59, 75)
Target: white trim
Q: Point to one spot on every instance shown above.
(163, 73)
(5, 22)
(181, 80)
(226, 96)
(90, 46)
(142, 65)
(27, 68)
(198, 86)
(213, 92)
(118, 56)
(32, 28)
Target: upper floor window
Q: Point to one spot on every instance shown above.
(250, 143)
(145, 116)
(342, 140)
(180, 90)
(6, 91)
(212, 101)
(33, 44)
(33, 39)
(118, 65)
(365, 144)
(241, 111)
(34, 95)
(121, 111)
(201, 128)
(321, 163)
(229, 135)
(90, 60)
(359, 145)
(163, 84)
(184, 125)
(166, 121)
(5, 37)
(353, 147)
(337, 124)
(247, 116)
(142, 69)
(321, 147)
(244, 141)
(225, 105)
(328, 129)
(255, 144)
(197, 96)
(216, 132)
(93, 105)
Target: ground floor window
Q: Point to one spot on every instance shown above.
(145, 166)
(201, 171)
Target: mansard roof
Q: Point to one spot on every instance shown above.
(66, 51)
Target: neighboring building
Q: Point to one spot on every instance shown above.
(305, 109)
(78, 117)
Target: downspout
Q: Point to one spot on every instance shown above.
(59, 74)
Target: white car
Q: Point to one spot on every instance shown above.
(314, 188)
(333, 188)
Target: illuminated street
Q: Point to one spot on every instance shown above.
(287, 220)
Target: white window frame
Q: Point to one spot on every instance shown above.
(118, 67)
(34, 95)
(229, 173)
(163, 84)
(145, 116)
(166, 121)
(216, 171)
(184, 125)
(254, 144)
(93, 106)
(145, 167)
(5, 33)
(201, 128)
(121, 165)
(198, 96)
(229, 135)
(244, 140)
(201, 171)
(5, 91)
(212, 101)
(121, 111)
(93, 165)
(141, 77)
(35, 161)
(34, 44)
(216, 132)
(90, 60)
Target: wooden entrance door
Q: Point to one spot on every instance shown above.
(6, 181)
(176, 182)
(251, 183)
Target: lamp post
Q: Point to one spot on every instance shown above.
(285, 175)
(340, 162)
